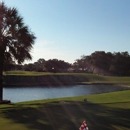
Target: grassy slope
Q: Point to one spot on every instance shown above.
(90, 78)
(110, 111)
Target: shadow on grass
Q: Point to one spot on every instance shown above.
(69, 116)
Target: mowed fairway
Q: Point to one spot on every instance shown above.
(109, 111)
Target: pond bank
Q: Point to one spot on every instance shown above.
(63, 80)
(44, 80)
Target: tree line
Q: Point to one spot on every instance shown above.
(41, 65)
(105, 63)
(99, 62)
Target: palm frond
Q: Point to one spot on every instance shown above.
(15, 35)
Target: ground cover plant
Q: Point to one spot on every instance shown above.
(107, 111)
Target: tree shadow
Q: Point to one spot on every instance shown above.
(68, 116)
(101, 117)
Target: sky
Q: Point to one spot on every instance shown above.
(68, 29)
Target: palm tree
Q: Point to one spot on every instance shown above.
(16, 40)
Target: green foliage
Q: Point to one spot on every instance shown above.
(16, 40)
(100, 62)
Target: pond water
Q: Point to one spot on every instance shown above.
(20, 94)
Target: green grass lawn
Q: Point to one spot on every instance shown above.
(89, 78)
(108, 111)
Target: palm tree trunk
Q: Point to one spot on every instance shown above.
(1, 88)
(1, 77)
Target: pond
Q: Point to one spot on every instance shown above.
(20, 94)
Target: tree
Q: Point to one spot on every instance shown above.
(55, 65)
(29, 67)
(120, 64)
(16, 40)
(80, 64)
(8, 65)
(40, 64)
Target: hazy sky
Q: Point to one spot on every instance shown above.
(68, 29)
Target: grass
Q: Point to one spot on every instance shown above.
(26, 73)
(89, 78)
(108, 111)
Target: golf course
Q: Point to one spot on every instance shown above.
(65, 65)
(106, 111)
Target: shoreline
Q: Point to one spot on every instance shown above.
(63, 80)
(61, 84)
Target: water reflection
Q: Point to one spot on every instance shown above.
(36, 93)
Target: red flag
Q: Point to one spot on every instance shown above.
(84, 126)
